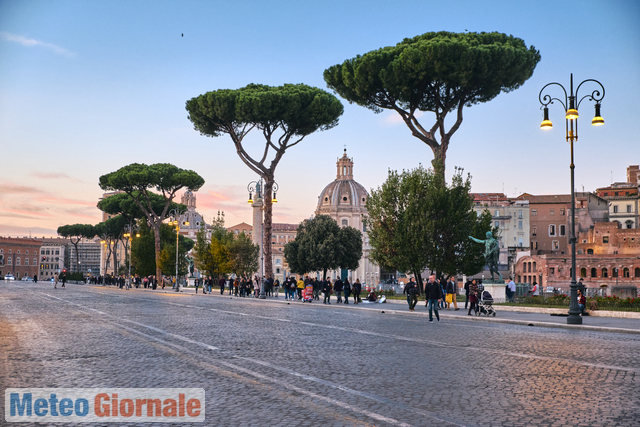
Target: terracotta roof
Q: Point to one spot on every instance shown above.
(546, 199)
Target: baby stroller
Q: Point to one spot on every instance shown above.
(307, 293)
(485, 305)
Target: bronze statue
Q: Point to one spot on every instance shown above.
(491, 253)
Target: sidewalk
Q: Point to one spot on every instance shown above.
(538, 317)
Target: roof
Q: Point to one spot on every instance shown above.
(546, 199)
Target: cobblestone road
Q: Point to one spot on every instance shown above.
(265, 362)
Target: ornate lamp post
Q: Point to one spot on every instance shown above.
(256, 187)
(175, 214)
(129, 231)
(571, 103)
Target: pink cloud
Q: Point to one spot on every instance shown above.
(53, 175)
(59, 201)
(19, 189)
(26, 213)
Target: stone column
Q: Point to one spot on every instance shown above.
(257, 230)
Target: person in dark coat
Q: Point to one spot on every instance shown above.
(466, 293)
(433, 294)
(326, 290)
(337, 288)
(473, 296)
(346, 288)
(412, 290)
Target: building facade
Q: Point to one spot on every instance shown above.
(344, 200)
(19, 256)
(548, 223)
(624, 202)
(88, 261)
(52, 257)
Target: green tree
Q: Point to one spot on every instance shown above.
(285, 115)
(438, 72)
(244, 256)
(75, 233)
(212, 257)
(416, 222)
(320, 244)
(138, 181)
(143, 251)
(111, 232)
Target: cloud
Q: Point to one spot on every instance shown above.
(24, 213)
(36, 43)
(19, 189)
(36, 232)
(53, 175)
(59, 201)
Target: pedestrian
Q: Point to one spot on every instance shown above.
(300, 287)
(411, 289)
(197, 284)
(511, 289)
(269, 286)
(452, 291)
(535, 291)
(276, 287)
(35, 278)
(221, 283)
(466, 293)
(355, 290)
(443, 290)
(346, 288)
(337, 288)
(55, 281)
(433, 294)
(64, 279)
(326, 290)
(473, 296)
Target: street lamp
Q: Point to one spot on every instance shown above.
(571, 134)
(256, 187)
(175, 214)
(129, 231)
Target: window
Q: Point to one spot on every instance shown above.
(615, 209)
(614, 272)
(42, 252)
(605, 273)
(9, 261)
(589, 251)
(519, 225)
(552, 212)
(497, 224)
(345, 222)
(520, 242)
(628, 208)
(18, 261)
(562, 212)
(594, 272)
(519, 214)
(27, 252)
(583, 272)
(637, 272)
(534, 212)
(552, 230)
(534, 266)
(629, 224)
(278, 261)
(625, 272)
(555, 245)
(534, 245)
(497, 213)
(26, 261)
(534, 230)
(605, 239)
(18, 251)
(562, 229)
(552, 270)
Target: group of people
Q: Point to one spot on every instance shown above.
(438, 294)
(293, 289)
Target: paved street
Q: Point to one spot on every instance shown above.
(266, 362)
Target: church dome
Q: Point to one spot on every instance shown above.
(344, 193)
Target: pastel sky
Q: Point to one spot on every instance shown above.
(87, 87)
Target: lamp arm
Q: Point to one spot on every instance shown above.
(595, 95)
(546, 99)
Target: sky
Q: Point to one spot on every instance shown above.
(88, 87)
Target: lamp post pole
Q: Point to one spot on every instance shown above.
(571, 103)
(256, 187)
(176, 221)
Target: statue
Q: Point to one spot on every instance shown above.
(491, 253)
(259, 190)
(191, 267)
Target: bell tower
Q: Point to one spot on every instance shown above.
(345, 167)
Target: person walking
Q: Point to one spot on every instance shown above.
(276, 287)
(337, 288)
(511, 288)
(473, 297)
(452, 291)
(55, 281)
(64, 279)
(221, 283)
(300, 287)
(196, 282)
(326, 290)
(411, 289)
(433, 293)
(346, 288)
(466, 293)
(535, 291)
(355, 290)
